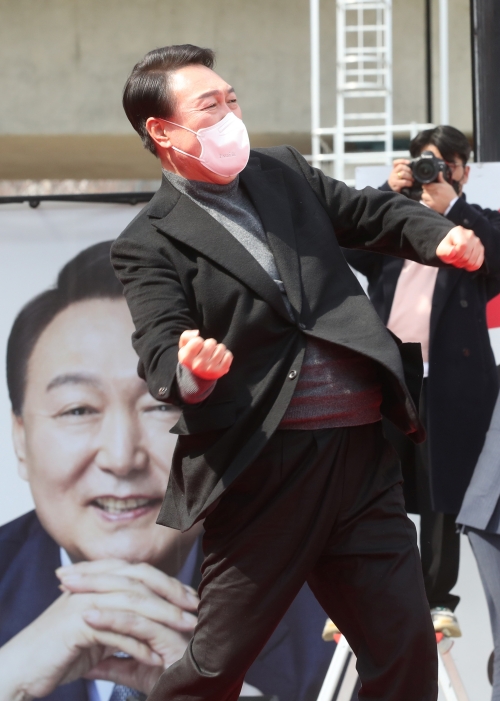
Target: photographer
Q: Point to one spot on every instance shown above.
(445, 311)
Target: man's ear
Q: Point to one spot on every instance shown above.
(19, 439)
(156, 130)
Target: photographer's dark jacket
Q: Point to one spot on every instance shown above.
(463, 381)
(181, 270)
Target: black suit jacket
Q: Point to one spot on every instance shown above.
(182, 270)
(463, 381)
(291, 665)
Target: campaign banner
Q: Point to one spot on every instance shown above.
(90, 585)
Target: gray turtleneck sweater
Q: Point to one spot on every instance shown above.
(336, 387)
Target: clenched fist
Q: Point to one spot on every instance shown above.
(462, 249)
(206, 359)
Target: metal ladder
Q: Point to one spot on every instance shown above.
(364, 75)
(342, 677)
(363, 89)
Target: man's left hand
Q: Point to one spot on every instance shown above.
(462, 249)
(438, 195)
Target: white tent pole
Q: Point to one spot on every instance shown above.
(315, 81)
(444, 76)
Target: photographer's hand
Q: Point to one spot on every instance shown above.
(438, 195)
(401, 175)
(462, 249)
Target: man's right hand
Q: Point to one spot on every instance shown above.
(401, 175)
(206, 359)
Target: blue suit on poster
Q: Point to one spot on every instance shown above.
(292, 665)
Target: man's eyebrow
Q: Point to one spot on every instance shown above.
(210, 93)
(73, 378)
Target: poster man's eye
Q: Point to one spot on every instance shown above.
(79, 411)
(162, 408)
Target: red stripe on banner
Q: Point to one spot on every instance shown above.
(493, 313)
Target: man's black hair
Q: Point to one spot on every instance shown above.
(147, 92)
(89, 275)
(450, 142)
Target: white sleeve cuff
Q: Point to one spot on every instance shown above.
(192, 389)
(449, 207)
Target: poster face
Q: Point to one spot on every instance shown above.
(85, 457)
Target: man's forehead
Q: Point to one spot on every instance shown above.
(198, 82)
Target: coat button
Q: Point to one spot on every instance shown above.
(464, 303)
(466, 222)
(162, 390)
(466, 352)
(292, 374)
(302, 326)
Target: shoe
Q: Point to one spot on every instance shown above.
(445, 622)
(329, 631)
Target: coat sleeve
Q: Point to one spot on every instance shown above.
(384, 222)
(365, 262)
(159, 308)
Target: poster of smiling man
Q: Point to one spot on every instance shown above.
(96, 599)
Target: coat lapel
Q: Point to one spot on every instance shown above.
(268, 193)
(179, 217)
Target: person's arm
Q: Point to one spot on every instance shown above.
(159, 308)
(389, 223)
(166, 334)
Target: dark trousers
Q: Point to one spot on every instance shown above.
(324, 507)
(439, 540)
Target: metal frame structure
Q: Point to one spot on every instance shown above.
(444, 71)
(485, 40)
(364, 74)
(341, 677)
(131, 198)
(364, 87)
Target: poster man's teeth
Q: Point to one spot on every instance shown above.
(117, 506)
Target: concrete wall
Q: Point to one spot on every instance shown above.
(64, 63)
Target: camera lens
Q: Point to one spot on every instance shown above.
(425, 170)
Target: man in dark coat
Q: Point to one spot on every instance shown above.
(446, 312)
(248, 316)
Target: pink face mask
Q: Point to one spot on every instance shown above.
(225, 146)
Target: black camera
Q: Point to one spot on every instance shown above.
(426, 169)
